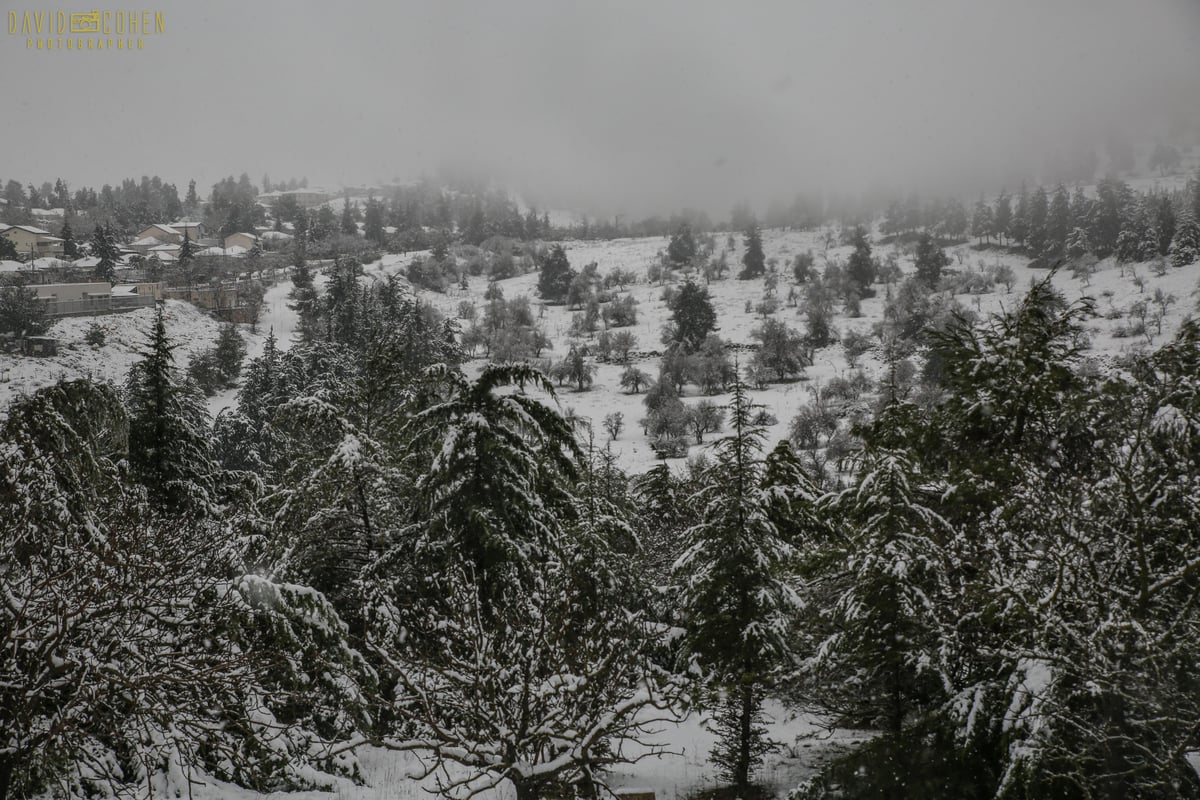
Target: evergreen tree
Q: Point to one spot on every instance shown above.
(228, 353)
(1058, 221)
(1185, 247)
(955, 223)
(682, 248)
(860, 269)
(1112, 198)
(692, 316)
(1002, 218)
(349, 227)
(735, 599)
(556, 276)
(187, 252)
(373, 227)
(511, 599)
(982, 221)
(753, 261)
(104, 247)
(1164, 222)
(169, 442)
(1078, 244)
(1039, 207)
(21, 312)
(70, 248)
(930, 260)
(1196, 195)
(8, 250)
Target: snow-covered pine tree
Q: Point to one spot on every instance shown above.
(502, 612)
(734, 596)
(1010, 381)
(877, 594)
(1087, 580)
(1185, 247)
(69, 245)
(170, 445)
(104, 247)
(754, 263)
(860, 267)
(132, 661)
(555, 276)
(304, 299)
(929, 260)
(682, 248)
(341, 492)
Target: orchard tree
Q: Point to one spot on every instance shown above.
(780, 349)
(634, 379)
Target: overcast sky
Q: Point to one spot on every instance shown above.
(611, 106)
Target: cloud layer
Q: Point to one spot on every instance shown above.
(615, 107)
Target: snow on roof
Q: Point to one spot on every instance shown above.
(87, 262)
(234, 251)
(48, 212)
(276, 235)
(31, 229)
(146, 241)
(164, 228)
(11, 266)
(184, 224)
(49, 263)
(124, 291)
(165, 248)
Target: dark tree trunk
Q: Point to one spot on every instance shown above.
(741, 775)
(525, 790)
(6, 774)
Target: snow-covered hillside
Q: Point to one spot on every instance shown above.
(125, 334)
(1114, 287)
(1117, 289)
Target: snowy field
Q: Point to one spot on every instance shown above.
(1115, 289)
(1112, 286)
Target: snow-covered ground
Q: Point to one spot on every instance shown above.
(1112, 286)
(675, 775)
(125, 338)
